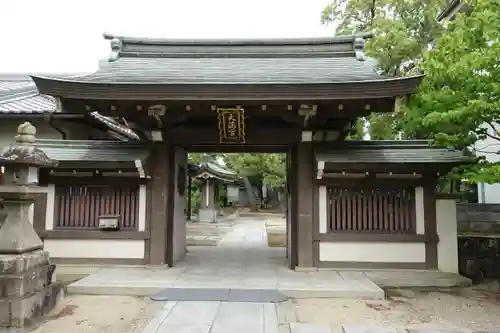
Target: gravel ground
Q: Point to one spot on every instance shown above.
(465, 310)
(99, 314)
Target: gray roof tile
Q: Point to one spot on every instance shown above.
(234, 70)
(390, 152)
(28, 103)
(272, 61)
(18, 94)
(93, 151)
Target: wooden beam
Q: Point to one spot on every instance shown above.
(244, 148)
(254, 136)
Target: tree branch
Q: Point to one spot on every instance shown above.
(495, 130)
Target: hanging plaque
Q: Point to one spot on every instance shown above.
(231, 125)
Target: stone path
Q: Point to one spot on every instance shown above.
(214, 317)
(207, 234)
(241, 261)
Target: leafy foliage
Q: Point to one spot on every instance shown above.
(268, 168)
(197, 158)
(458, 104)
(403, 30)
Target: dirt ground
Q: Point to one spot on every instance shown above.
(465, 310)
(99, 314)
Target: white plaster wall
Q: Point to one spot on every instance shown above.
(323, 208)
(419, 211)
(488, 193)
(233, 193)
(372, 252)
(446, 217)
(179, 206)
(95, 248)
(141, 225)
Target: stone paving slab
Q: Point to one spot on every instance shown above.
(149, 282)
(214, 317)
(221, 295)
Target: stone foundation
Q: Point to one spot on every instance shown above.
(26, 292)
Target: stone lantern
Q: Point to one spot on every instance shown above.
(26, 291)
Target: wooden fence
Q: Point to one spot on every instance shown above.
(371, 210)
(79, 206)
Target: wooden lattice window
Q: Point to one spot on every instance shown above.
(79, 206)
(371, 210)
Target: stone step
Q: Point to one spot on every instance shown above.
(309, 328)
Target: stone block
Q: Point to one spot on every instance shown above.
(18, 285)
(26, 311)
(14, 264)
(4, 313)
(23, 274)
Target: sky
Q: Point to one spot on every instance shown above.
(66, 35)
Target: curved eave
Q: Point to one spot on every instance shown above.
(213, 174)
(198, 175)
(74, 89)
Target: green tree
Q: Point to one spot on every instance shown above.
(458, 104)
(403, 30)
(268, 168)
(197, 158)
(258, 169)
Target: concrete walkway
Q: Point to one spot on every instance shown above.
(242, 260)
(214, 317)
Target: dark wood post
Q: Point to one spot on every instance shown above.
(188, 212)
(304, 193)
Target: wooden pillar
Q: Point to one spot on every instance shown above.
(430, 223)
(189, 204)
(304, 193)
(171, 192)
(158, 204)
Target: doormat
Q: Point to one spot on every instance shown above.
(221, 295)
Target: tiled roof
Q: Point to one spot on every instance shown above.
(280, 61)
(19, 95)
(371, 152)
(214, 170)
(239, 69)
(234, 70)
(93, 151)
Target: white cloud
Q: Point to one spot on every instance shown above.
(66, 36)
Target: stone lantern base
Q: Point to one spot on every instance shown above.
(26, 289)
